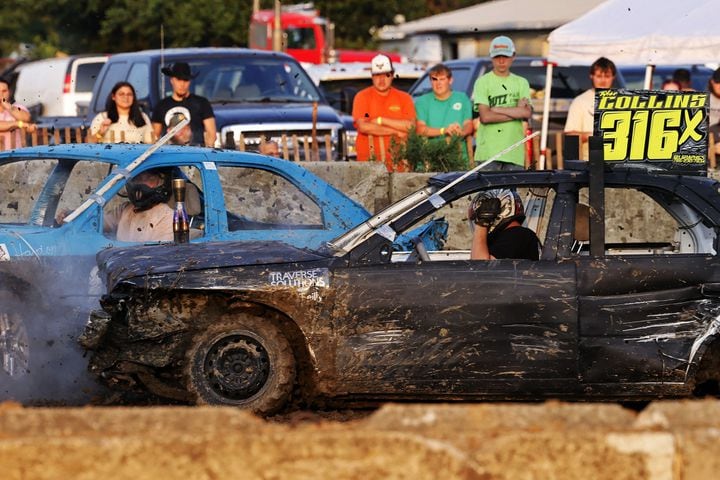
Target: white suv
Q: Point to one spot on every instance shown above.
(57, 87)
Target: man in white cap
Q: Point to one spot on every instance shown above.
(382, 113)
(503, 102)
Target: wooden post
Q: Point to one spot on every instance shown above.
(56, 136)
(296, 149)
(536, 149)
(241, 142)
(68, 138)
(34, 137)
(712, 160)
(315, 146)
(45, 137)
(328, 148)
(285, 148)
(559, 148)
(471, 156)
(548, 159)
(306, 148)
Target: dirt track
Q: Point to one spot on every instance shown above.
(668, 440)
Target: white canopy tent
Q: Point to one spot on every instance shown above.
(637, 32)
(640, 32)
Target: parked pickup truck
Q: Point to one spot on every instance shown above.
(254, 93)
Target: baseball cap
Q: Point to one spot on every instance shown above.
(502, 45)
(381, 64)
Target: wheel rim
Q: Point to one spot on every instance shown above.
(236, 367)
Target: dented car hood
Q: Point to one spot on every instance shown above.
(117, 265)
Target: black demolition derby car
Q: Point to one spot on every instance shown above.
(627, 309)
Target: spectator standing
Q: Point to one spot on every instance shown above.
(582, 109)
(681, 76)
(184, 135)
(270, 148)
(670, 85)
(503, 102)
(122, 120)
(14, 118)
(714, 89)
(444, 113)
(382, 113)
(194, 107)
(714, 109)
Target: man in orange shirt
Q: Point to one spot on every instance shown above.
(382, 113)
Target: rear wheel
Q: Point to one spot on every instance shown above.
(245, 362)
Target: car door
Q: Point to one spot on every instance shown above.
(643, 313)
(458, 326)
(264, 203)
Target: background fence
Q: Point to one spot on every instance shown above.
(307, 146)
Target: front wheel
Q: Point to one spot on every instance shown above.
(245, 362)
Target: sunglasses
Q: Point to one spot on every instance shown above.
(438, 79)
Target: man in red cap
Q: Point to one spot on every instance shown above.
(182, 101)
(382, 113)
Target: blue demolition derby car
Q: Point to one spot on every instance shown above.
(48, 273)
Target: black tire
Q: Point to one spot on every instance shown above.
(243, 361)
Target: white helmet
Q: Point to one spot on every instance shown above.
(511, 206)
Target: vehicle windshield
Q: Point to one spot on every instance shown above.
(568, 82)
(635, 76)
(249, 79)
(462, 81)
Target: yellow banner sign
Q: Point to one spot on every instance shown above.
(666, 128)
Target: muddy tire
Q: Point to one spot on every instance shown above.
(246, 362)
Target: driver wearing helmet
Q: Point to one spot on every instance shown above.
(498, 216)
(146, 217)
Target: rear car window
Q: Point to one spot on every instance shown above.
(258, 199)
(86, 75)
(116, 72)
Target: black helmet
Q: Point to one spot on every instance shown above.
(511, 207)
(143, 196)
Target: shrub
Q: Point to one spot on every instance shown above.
(430, 155)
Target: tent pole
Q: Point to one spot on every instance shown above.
(546, 114)
(649, 70)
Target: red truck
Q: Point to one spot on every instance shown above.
(305, 35)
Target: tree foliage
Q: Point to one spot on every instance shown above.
(113, 26)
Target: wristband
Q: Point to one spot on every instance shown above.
(379, 120)
(442, 131)
(20, 123)
(98, 136)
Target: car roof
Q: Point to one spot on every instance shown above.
(352, 70)
(122, 154)
(173, 53)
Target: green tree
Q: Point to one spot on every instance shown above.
(126, 25)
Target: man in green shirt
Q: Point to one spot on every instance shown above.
(443, 113)
(503, 102)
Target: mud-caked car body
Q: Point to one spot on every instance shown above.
(48, 273)
(628, 310)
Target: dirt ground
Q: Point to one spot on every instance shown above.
(666, 440)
